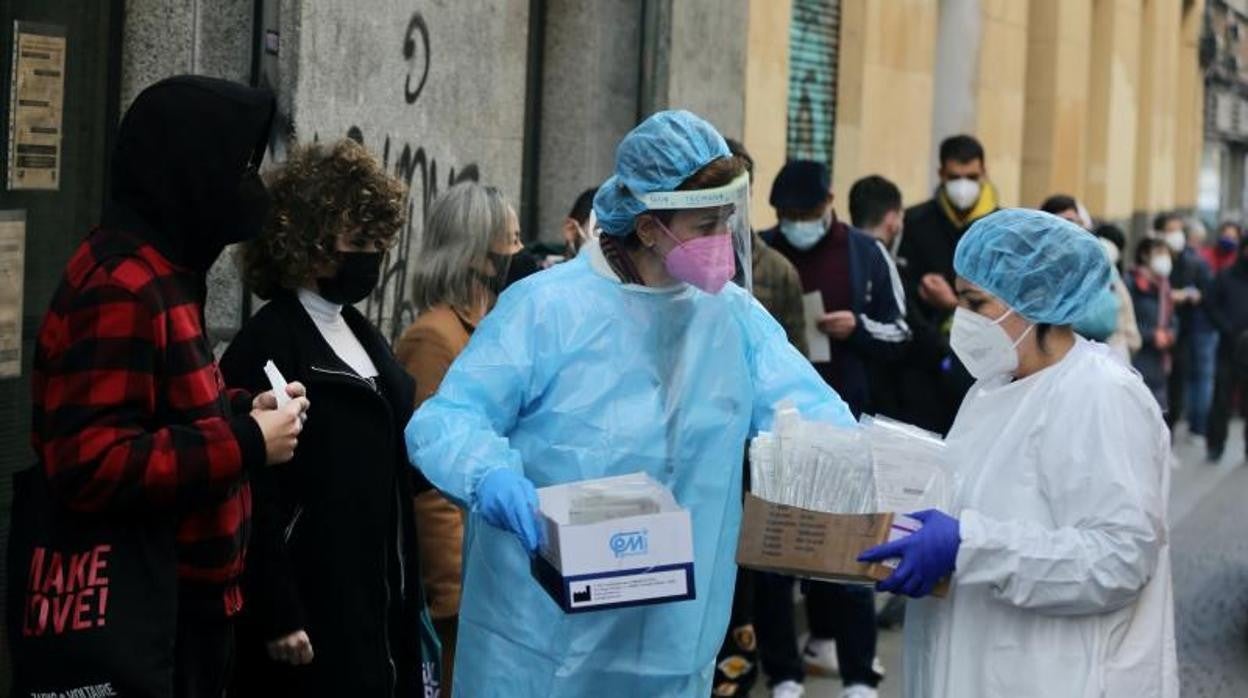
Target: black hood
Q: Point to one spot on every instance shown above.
(179, 170)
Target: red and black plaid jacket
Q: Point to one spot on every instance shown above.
(131, 414)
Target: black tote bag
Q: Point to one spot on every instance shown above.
(92, 598)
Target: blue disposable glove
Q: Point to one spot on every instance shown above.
(507, 500)
(927, 555)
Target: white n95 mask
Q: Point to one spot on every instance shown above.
(1111, 251)
(1161, 265)
(962, 192)
(1176, 240)
(982, 345)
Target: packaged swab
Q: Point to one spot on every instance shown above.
(277, 382)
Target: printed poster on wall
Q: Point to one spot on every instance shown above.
(12, 273)
(36, 105)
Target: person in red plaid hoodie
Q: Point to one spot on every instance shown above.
(130, 411)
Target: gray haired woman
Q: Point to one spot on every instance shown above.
(471, 234)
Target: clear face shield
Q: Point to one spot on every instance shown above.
(720, 211)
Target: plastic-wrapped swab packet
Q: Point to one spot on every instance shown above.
(908, 465)
(812, 465)
(634, 495)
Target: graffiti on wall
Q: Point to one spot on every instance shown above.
(390, 306)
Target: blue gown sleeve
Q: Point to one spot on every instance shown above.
(458, 435)
(780, 372)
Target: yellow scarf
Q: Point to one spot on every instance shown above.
(987, 204)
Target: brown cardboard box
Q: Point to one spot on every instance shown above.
(803, 543)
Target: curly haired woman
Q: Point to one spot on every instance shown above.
(334, 601)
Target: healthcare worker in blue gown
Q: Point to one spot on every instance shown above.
(1057, 538)
(641, 354)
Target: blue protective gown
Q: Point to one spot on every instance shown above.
(574, 376)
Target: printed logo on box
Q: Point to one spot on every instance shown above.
(585, 595)
(629, 543)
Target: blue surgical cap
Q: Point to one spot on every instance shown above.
(663, 151)
(1047, 269)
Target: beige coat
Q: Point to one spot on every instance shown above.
(426, 350)
(1125, 340)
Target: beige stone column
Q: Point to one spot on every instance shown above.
(1159, 98)
(1189, 136)
(1000, 92)
(1055, 124)
(884, 95)
(1113, 106)
(766, 99)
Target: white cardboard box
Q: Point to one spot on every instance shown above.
(623, 562)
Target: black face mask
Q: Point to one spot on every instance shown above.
(498, 280)
(522, 264)
(356, 277)
(253, 207)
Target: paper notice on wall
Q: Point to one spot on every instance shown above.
(36, 106)
(812, 307)
(12, 273)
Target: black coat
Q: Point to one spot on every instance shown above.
(333, 549)
(930, 381)
(1228, 303)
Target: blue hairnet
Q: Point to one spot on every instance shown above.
(663, 151)
(1045, 268)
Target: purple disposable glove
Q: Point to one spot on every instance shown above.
(927, 555)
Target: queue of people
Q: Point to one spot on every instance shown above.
(369, 527)
(1175, 303)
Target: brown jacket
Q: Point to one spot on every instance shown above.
(427, 349)
(779, 289)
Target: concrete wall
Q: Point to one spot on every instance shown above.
(606, 63)
(885, 95)
(706, 52)
(590, 90)
(435, 90)
(162, 38)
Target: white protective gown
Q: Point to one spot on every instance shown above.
(1063, 583)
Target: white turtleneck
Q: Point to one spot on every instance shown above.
(334, 328)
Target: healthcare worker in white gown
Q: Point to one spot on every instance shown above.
(1057, 538)
(638, 355)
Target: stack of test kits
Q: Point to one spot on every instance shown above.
(821, 494)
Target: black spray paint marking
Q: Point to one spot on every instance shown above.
(390, 306)
(415, 25)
